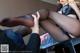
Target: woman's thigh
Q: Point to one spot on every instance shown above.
(55, 31)
(69, 24)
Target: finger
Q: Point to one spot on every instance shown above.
(71, 1)
(34, 16)
(38, 14)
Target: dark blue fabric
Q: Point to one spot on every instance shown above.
(34, 43)
(16, 42)
(16, 37)
(66, 10)
(5, 40)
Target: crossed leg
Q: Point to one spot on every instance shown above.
(69, 24)
(55, 31)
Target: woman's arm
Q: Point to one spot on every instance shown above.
(73, 4)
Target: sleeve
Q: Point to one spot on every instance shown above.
(34, 43)
(35, 34)
(35, 38)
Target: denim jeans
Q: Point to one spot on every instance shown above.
(33, 45)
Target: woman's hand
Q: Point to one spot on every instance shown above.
(72, 3)
(74, 6)
(35, 28)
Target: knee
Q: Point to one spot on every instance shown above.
(76, 31)
(43, 14)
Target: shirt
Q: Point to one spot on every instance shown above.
(66, 10)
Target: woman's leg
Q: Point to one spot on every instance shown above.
(69, 24)
(23, 20)
(54, 30)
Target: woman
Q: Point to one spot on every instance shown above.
(66, 9)
(59, 31)
(68, 23)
